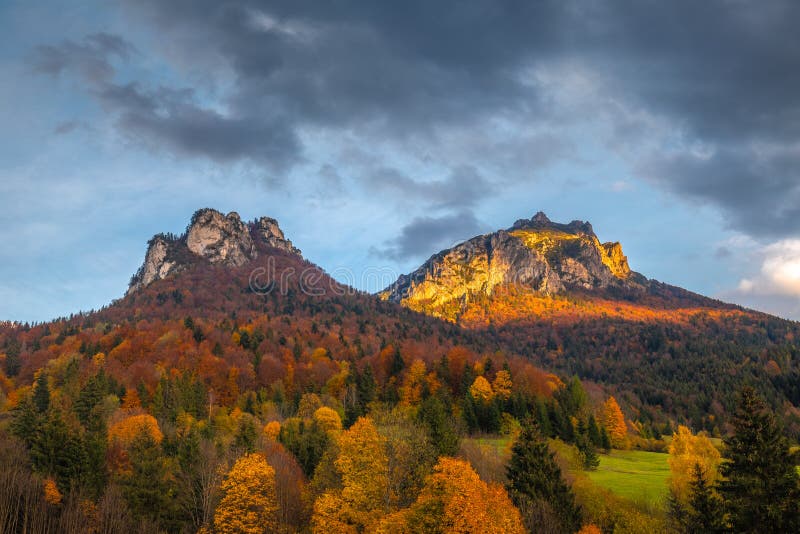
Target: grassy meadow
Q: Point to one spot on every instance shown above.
(639, 476)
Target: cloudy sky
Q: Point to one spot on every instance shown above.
(378, 133)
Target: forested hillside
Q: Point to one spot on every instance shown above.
(256, 382)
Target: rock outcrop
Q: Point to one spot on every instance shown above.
(536, 254)
(221, 239)
(211, 237)
(268, 231)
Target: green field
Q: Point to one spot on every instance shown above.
(636, 475)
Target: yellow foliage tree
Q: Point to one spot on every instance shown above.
(455, 500)
(328, 419)
(249, 504)
(502, 384)
(272, 430)
(124, 431)
(328, 516)
(686, 450)
(363, 498)
(411, 390)
(615, 424)
(481, 389)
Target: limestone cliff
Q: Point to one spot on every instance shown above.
(536, 254)
(212, 237)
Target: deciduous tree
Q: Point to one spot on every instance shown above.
(249, 504)
(614, 422)
(455, 499)
(685, 452)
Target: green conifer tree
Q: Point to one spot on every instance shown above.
(534, 475)
(41, 395)
(705, 512)
(760, 484)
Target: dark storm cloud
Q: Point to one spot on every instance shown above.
(723, 74)
(464, 186)
(758, 187)
(425, 234)
(91, 58)
(174, 117)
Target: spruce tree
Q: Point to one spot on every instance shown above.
(593, 432)
(586, 448)
(438, 422)
(760, 483)
(605, 439)
(534, 476)
(146, 487)
(41, 395)
(704, 513)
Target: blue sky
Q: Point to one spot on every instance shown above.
(379, 135)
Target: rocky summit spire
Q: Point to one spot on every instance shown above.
(213, 237)
(540, 218)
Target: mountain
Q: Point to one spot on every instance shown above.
(233, 307)
(213, 238)
(230, 308)
(556, 295)
(536, 258)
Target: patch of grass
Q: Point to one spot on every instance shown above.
(639, 476)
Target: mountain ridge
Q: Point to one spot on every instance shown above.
(663, 351)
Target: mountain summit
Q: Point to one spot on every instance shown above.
(538, 255)
(213, 238)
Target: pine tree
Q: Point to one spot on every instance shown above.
(704, 513)
(41, 395)
(586, 448)
(593, 432)
(605, 439)
(146, 487)
(760, 485)
(439, 424)
(534, 475)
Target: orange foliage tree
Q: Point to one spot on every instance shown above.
(615, 423)
(455, 499)
(123, 432)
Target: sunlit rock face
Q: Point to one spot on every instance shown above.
(535, 254)
(213, 237)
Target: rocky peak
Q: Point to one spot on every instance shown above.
(541, 221)
(271, 235)
(540, 218)
(212, 237)
(220, 238)
(538, 254)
